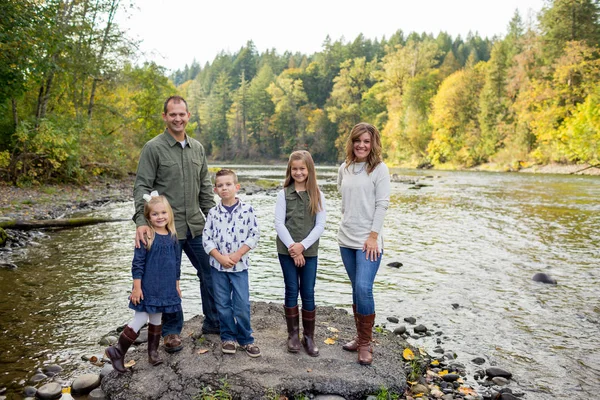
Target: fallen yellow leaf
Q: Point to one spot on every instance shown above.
(334, 330)
(129, 364)
(466, 390)
(408, 354)
(66, 390)
(202, 351)
(411, 383)
(444, 372)
(435, 362)
(329, 341)
(93, 359)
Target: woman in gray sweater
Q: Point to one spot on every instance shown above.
(364, 183)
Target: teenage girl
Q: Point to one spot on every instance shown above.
(299, 222)
(155, 269)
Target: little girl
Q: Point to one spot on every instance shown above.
(299, 222)
(155, 269)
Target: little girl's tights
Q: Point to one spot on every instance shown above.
(140, 318)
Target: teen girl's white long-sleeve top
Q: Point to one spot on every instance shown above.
(365, 200)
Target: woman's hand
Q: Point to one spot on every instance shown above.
(136, 296)
(370, 247)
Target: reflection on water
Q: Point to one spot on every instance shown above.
(475, 239)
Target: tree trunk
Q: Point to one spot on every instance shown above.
(54, 223)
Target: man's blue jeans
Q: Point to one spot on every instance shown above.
(362, 276)
(232, 295)
(173, 322)
(299, 279)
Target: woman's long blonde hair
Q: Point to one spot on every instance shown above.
(170, 225)
(374, 157)
(312, 189)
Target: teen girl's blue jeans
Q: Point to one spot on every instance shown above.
(362, 276)
(299, 279)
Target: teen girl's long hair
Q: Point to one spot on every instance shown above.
(170, 226)
(374, 158)
(312, 189)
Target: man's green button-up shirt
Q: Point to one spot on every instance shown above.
(181, 175)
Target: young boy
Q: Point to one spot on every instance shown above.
(231, 231)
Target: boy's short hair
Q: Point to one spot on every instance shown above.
(225, 172)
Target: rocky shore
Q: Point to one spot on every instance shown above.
(201, 371)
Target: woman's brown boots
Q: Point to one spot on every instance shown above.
(353, 344)
(362, 340)
(292, 318)
(308, 341)
(365, 334)
(154, 332)
(117, 352)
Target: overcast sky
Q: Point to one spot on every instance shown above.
(175, 32)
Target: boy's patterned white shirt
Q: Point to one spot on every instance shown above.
(228, 231)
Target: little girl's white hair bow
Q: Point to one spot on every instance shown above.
(152, 194)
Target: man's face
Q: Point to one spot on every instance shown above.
(176, 118)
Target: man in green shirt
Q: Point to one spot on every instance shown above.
(174, 164)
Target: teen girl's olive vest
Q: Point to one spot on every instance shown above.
(298, 220)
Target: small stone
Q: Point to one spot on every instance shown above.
(29, 391)
(85, 383)
(393, 320)
(420, 329)
(395, 264)
(438, 350)
(108, 340)
(478, 360)
(49, 391)
(410, 320)
(507, 396)
(97, 394)
(455, 305)
(329, 397)
(544, 278)
(400, 330)
(450, 377)
(500, 381)
(419, 389)
(492, 372)
(142, 337)
(37, 378)
(436, 393)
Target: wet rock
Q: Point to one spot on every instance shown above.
(97, 394)
(106, 369)
(37, 378)
(507, 396)
(455, 305)
(395, 264)
(85, 383)
(393, 320)
(52, 369)
(335, 372)
(328, 397)
(544, 278)
(7, 265)
(29, 391)
(410, 320)
(450, 377)
(420, 329)
(493, 372)
(478, 360)
(142, 337)
(108, 340)
(419, 389)
(500, 381)
(49, 391)
(438, 350)
(400, 330)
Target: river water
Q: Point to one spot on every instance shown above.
(468, 238)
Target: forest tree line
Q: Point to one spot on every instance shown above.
(74, 103)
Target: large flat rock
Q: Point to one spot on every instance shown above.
(194, 370)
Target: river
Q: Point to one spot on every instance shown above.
(469, 238)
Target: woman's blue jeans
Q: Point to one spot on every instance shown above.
(361, 272)
(232, 296)
(299, 279)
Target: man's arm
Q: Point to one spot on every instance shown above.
(206, 198)
(144, 184)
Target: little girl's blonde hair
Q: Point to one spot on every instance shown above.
(312, 189)
(170, 225)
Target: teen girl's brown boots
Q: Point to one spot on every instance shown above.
(292, 319)
(353, 344)
(365, 334)
(308, 341)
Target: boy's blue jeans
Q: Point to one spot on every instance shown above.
(232, 296)
(362, 276)
(299, 279)
(173, 322)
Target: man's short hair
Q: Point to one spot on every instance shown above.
(176, 100)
